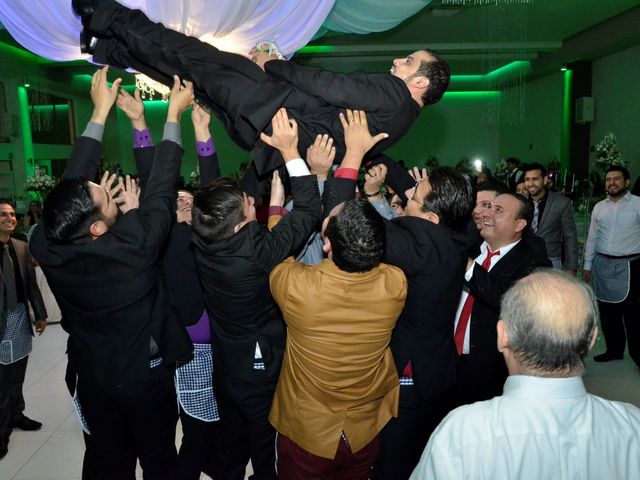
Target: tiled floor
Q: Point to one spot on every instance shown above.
(55, 452)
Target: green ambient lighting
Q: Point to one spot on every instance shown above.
(565, 145)
(473, 94)
(310, 49)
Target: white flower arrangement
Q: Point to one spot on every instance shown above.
(40, 181)
(608, 153)
(194, 179)
(501, 172)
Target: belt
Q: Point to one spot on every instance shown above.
(618, 257)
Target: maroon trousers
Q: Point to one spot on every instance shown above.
(295, 463)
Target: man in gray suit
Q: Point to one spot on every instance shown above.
(552, 219)
(18, 289)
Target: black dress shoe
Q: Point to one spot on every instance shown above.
(83, 8)
(25, 423)
(606, 357)
(87, 42)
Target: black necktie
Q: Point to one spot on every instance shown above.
(9, 278)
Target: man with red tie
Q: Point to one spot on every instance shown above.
(503, 260)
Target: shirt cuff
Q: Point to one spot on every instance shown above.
(349, 173)
(587, 265)
(94, 130)
(275, 210)
(206, 149)
(297, 168)
(142, 138)
(172, 132)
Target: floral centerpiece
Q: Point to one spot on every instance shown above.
(194, 180)
(608, 153)
(40, 182)
(501, 172)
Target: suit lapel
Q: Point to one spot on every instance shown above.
(21, 263)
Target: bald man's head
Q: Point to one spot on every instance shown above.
(550, 320)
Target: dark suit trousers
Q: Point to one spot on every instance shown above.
(11, 399)
(404, 437)
(131, 421)
(199, 447)
(621, 321)
(245, 429)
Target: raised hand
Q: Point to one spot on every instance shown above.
(133, 108)
(356, 132)
(284, 136)
(201, 119)
(417, 174)
(320, 156)
(180, 99)
(374, 179)
(106, 182)
(128, 197)
(277, 191)
(103, 96)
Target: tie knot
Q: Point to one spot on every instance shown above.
(491, 254)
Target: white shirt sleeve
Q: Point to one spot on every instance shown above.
(297, 168)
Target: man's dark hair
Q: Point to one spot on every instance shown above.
(69, 211)
(619, 168)
(357, 237)
(438, 73)
(217, 209)
(5, 201)
(513, 161)
(497, 187)
(535, 166)
(526, 210)
(451, 197)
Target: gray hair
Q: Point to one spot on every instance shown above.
(550, 319)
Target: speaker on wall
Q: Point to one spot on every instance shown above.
(584, 110)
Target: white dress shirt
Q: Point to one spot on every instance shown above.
(540, 428)
(614, 229)
(484, 248)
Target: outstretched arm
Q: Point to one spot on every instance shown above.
(207, 155)
(143, 152)
(85, 157)
(358, 141)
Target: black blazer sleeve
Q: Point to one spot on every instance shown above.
(157, 208)
(373, 93)
(209, 168)
(336, 191)
(291, 232)
(84, 159)
(144, 160)
(397, 177)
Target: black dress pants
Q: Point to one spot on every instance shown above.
(241, 95)
(246, 433)
(404, 437)
(199, 447)
(132, 421)
(621, 321)
(11, 399)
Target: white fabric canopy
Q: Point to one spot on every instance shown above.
(50, 29)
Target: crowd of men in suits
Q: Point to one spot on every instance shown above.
(347, 360)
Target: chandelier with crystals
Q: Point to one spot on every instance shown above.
(149, 87)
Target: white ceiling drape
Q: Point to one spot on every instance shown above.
(50, 29)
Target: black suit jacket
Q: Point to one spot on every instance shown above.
(235, 277)
(108, 289)
(177, 257)
(244, 97)
(29, 286)
(434, 265)
(485, 372)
